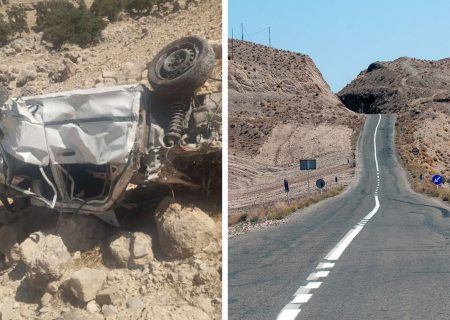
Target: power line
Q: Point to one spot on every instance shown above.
(250, 36)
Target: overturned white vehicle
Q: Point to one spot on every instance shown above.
(79, 151)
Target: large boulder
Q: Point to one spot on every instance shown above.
(46, 258)
(131, 249)
(184, 231)
(81, 233)
(85, 283)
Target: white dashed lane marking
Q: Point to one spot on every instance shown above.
(326, 265)
(317, 275)
(303, 295)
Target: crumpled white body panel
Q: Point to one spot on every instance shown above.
(95, 126)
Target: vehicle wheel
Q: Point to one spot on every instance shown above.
(182, 66)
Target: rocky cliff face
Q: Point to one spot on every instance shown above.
(418, 91)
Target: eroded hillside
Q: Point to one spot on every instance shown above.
(280, 111)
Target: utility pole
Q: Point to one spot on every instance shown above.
(270, 44)
(232, 44)
(242, 31)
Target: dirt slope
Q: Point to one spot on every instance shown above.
(280, 111)
(419, 92)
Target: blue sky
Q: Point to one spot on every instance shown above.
(344, 36)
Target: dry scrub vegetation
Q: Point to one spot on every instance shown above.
(277, 211)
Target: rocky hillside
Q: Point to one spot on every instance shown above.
(280, 111)
(163, 263)
(29, 66)
(77, 267)
(418, 91)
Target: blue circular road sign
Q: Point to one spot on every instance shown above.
(320, 183)
(437, 179)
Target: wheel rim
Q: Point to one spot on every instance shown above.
(177, 61)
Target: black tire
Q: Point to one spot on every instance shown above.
(182, 66)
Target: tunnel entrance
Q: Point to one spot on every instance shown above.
(362, 103)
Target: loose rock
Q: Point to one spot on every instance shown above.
(108, 310)
(81, 233)
(85, 283)
(25, 76)
(93, 307)
(132, 250)
(46, 257)
(108, 296)
(135, 304)
(183, 232)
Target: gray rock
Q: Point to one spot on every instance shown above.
(132, 249)
(109, 310)
(46, 299)
(108, 296)
(184, 231)
(85, 283)
(53, 287)
(25, 76)
(81, 233)
(93, 307)
(108, 74)
(9, 51)
(72, 56)
(135, 304)
(46, 257)
(110, 82)
(70, 69)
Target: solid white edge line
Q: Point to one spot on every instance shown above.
(343, 244)
(375, 142)
(374, 210)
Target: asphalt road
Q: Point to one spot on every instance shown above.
(349, 258)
